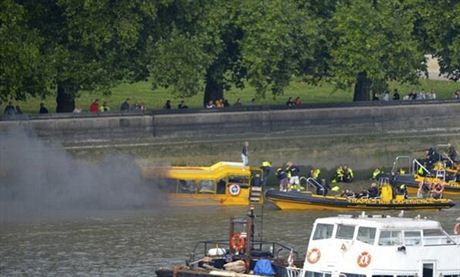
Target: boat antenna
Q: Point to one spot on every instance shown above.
(262, 222)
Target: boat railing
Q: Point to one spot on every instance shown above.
(258, 248)
(312, 182)
(401, 162)
(441, 240)
(294, 272)
(416, 166)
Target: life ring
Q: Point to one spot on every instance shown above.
(237, 242)
(364, 259)
(457, 228)
(313, 255)
(234, 189)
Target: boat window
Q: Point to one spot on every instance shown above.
(366, 234)
(412, 238)
(452, 275)
(351, 275)
(316, 274)
(382, 275)
(435, 237)
(221, 186)
(167, 185)
(390, 238)
(323, 231)
(186, 186)
(345, 231)
(406, 275)
(243, 181)
(207, 186)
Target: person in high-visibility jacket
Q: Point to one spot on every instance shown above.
(315, 173)
(347, 174)
(266, 169)
(338, 175)
(376, 174)
(293, 175)
(420, 171)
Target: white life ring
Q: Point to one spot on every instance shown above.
(234, 189)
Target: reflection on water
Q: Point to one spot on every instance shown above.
(138, 242)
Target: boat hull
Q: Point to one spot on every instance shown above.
(450, 188)
(308, 201)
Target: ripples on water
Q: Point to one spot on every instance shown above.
(135, 243)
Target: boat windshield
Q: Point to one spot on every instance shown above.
(412, 238)
(366, 234)
(323, 231)
(345, 231)
(390, 238)
(436, 237)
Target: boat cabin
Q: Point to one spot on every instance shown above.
(224, 183)
(376, 246)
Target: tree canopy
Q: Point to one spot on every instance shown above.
(60, 47)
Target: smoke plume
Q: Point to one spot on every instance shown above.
(39, 178)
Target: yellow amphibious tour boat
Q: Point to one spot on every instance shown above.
(224, 183)
(307, 200)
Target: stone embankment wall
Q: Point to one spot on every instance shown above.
(444, 117)
(362, 136)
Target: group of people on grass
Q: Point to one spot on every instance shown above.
(11, 110)
(413, 95)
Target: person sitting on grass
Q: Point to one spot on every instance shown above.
(43, 109)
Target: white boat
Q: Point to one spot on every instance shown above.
(379, 246)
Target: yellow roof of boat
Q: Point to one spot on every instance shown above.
(213, 172)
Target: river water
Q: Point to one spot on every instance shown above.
(136, 242)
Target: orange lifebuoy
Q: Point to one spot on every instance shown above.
(313, 255)
(457, 229)
(364, 259)
(237, 242)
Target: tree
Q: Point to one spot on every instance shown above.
(23, 71)
(217, 44)
(442, 25)
(374, 42)
(86, 45)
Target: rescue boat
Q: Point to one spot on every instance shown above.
(224, 183)
(307, 200)
(294, 200)
(369, 246)
(411, 172)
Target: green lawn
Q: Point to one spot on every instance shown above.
(142, 93)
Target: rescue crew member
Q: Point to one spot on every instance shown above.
(283, 179)
(293, 175)
(266, 169)
(420, 170)
(347, 174)
(338, 175)
(314, 173)
(423, 188)
(452, 153)
(347, 193)
(437, 190)
(373, 191)
(376, 174)
(402, 190)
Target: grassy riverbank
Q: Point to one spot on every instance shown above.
(141, 92)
